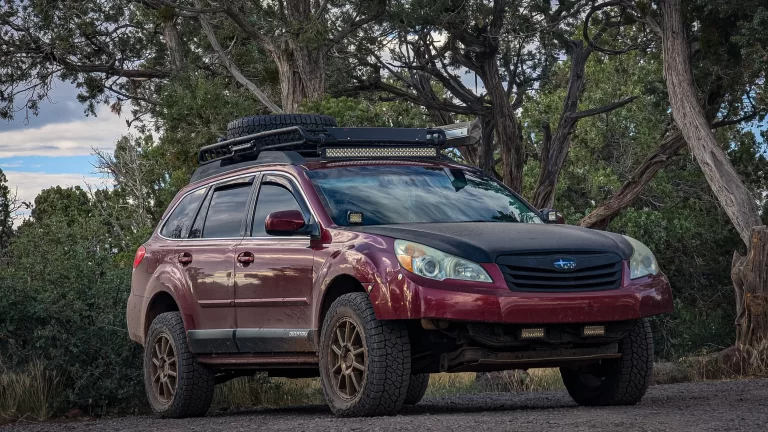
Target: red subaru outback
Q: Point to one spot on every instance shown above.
(362, 257)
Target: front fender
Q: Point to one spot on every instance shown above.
(367, 258)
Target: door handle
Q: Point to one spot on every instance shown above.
(185, 258)
(245, 258)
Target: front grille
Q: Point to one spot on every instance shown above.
(537, 272)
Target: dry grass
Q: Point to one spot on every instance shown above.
(27, 394)
(512, 381)
(732, 363)
(261, 391)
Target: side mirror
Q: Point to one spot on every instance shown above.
(553, 216)
(284, 222)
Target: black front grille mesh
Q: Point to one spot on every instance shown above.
(593, 272)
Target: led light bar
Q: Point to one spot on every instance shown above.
(380, 152)
(593, 331)
(532, 333)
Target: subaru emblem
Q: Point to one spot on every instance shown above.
(565, 264)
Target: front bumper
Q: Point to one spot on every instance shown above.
(408, 296)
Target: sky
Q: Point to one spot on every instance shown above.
(56, 147)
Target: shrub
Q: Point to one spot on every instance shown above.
(63, 301)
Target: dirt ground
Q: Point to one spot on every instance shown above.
(704, 406)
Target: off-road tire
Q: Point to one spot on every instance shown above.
(624, 381)
(387, 361)
(194, 382)
(417, 387)
(261, 123)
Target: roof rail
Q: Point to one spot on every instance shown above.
(331, 142)
(264, 158)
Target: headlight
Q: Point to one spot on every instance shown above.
(431, 263)
(642, 263)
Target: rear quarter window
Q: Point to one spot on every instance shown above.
(180, 220)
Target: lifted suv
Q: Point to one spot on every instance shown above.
(362, 257)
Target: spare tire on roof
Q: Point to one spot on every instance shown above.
(261, 123)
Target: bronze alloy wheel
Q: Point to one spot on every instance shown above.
(163, 369)
(347, 356)
(365, 364)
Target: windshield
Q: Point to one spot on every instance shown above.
(409, 194)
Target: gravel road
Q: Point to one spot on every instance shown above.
(710, 406)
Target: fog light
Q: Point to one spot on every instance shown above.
(593, 331)
(532, 333)
(355, 218)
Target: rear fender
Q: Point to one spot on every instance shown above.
(168, 279)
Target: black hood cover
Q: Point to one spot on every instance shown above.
(485, 241)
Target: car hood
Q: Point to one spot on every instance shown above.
(485, 241)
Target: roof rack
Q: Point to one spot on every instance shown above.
(331, 143)
(328, 143)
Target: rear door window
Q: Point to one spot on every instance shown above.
(226, 211)
(180, 220)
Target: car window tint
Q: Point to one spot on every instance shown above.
(225, 213)
(394, 194)
(178, 223)
(272, 198)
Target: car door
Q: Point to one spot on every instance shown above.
(207, 257)
(273, 276)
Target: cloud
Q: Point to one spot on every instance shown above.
(60, 106)
(77, 137)
(28, 184)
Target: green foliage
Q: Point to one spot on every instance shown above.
(677, 216)
(43, 39)
(351, 112)
(63, 299)
(6, 221)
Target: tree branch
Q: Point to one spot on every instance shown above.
(356, 24)
(238, 18)
(585, 32)
(230, 65)
(730, 122)
(602, 109)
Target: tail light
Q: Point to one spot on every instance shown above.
(140, 252)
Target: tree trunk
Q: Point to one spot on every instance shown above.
(734, 197)
(554, 155)
(750, 282)
(301, 65)
(601, 216)
(508, 131)
(291, 89)
(302, 74)
(750, 273)
(173, 43)
(485, 157)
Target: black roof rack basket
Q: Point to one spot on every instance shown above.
(332, 142)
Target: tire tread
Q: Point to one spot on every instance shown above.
(630, 375)
(195, 382)
(417, 388)
(389, 361)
